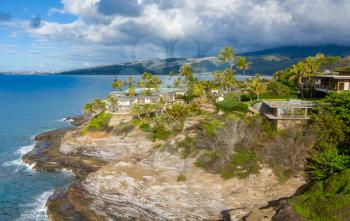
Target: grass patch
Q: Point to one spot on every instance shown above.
(282, 174)
(230, 104)
(160, 132)
(181, 178)
(125, 128)
(98, 123)
(327, 200)
(242, 164)
(212, 126)
(207, 158)
(145, 127)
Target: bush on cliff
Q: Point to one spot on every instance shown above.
(327, 200)
(230, 104)
(242, 164)
(98, 123)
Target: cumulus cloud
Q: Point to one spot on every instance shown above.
(190, 28)
(248, 23)
(119, 7)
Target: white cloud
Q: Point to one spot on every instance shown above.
(210, 24)
(244, 22)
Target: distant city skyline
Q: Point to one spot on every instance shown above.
(53, 35)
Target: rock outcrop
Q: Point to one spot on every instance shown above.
(124, 177)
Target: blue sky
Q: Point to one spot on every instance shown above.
(63, 34)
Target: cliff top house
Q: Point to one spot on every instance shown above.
(286, 114)
(142, 96)
(333, 81)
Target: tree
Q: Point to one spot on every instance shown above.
(330, 130)
(257, 86)
(131, 91)
(178, 82)
(113, 103)
(276, 88)
(149, 81)
(338, 103)
(243, 64)
(96, 107)
(136, 109)
(303, 71)
(229, 79)
(227, 55)
(117, 84)
(130, 81)
(327, 163)
(196, 89)
(218, 78)
(186, 71)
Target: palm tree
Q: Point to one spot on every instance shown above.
(113, 103)
(243, 64)
(229, 79)
(117, 84)
(130, 81)
(136, 110)
(218, 78)
(186, 71)
(298, 72)
(257, 87)
(96, 107)
(131, 91)
(227, 55)
(177, 83)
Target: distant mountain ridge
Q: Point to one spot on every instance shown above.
(265, 61)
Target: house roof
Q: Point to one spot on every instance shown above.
(337, 77)
(292, 103)
(153, 90)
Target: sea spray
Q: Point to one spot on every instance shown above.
(36, 210)
(19, 163)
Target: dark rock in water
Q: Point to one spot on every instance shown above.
(77, 120)
(60, 209)
(46, 155)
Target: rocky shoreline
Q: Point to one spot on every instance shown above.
(124, 177)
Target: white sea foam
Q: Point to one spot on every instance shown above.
(24, 150)
(37, 210)
(19, 163)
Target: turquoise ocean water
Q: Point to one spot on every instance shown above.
(30, 105)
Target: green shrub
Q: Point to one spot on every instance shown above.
(326, 163)
(212, 126)
(230, 104)
(181, 178)
(282, 174)
(247, 97)
(242, 164)
(188, 146)
(330, 130)
(275, 88)
(126, 127)
(339, 105)
(98, 123)
(145, 127)
(327, 200)
(159, 132)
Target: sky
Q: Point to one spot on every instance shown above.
(53, 35)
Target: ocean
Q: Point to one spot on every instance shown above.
(29, 105)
